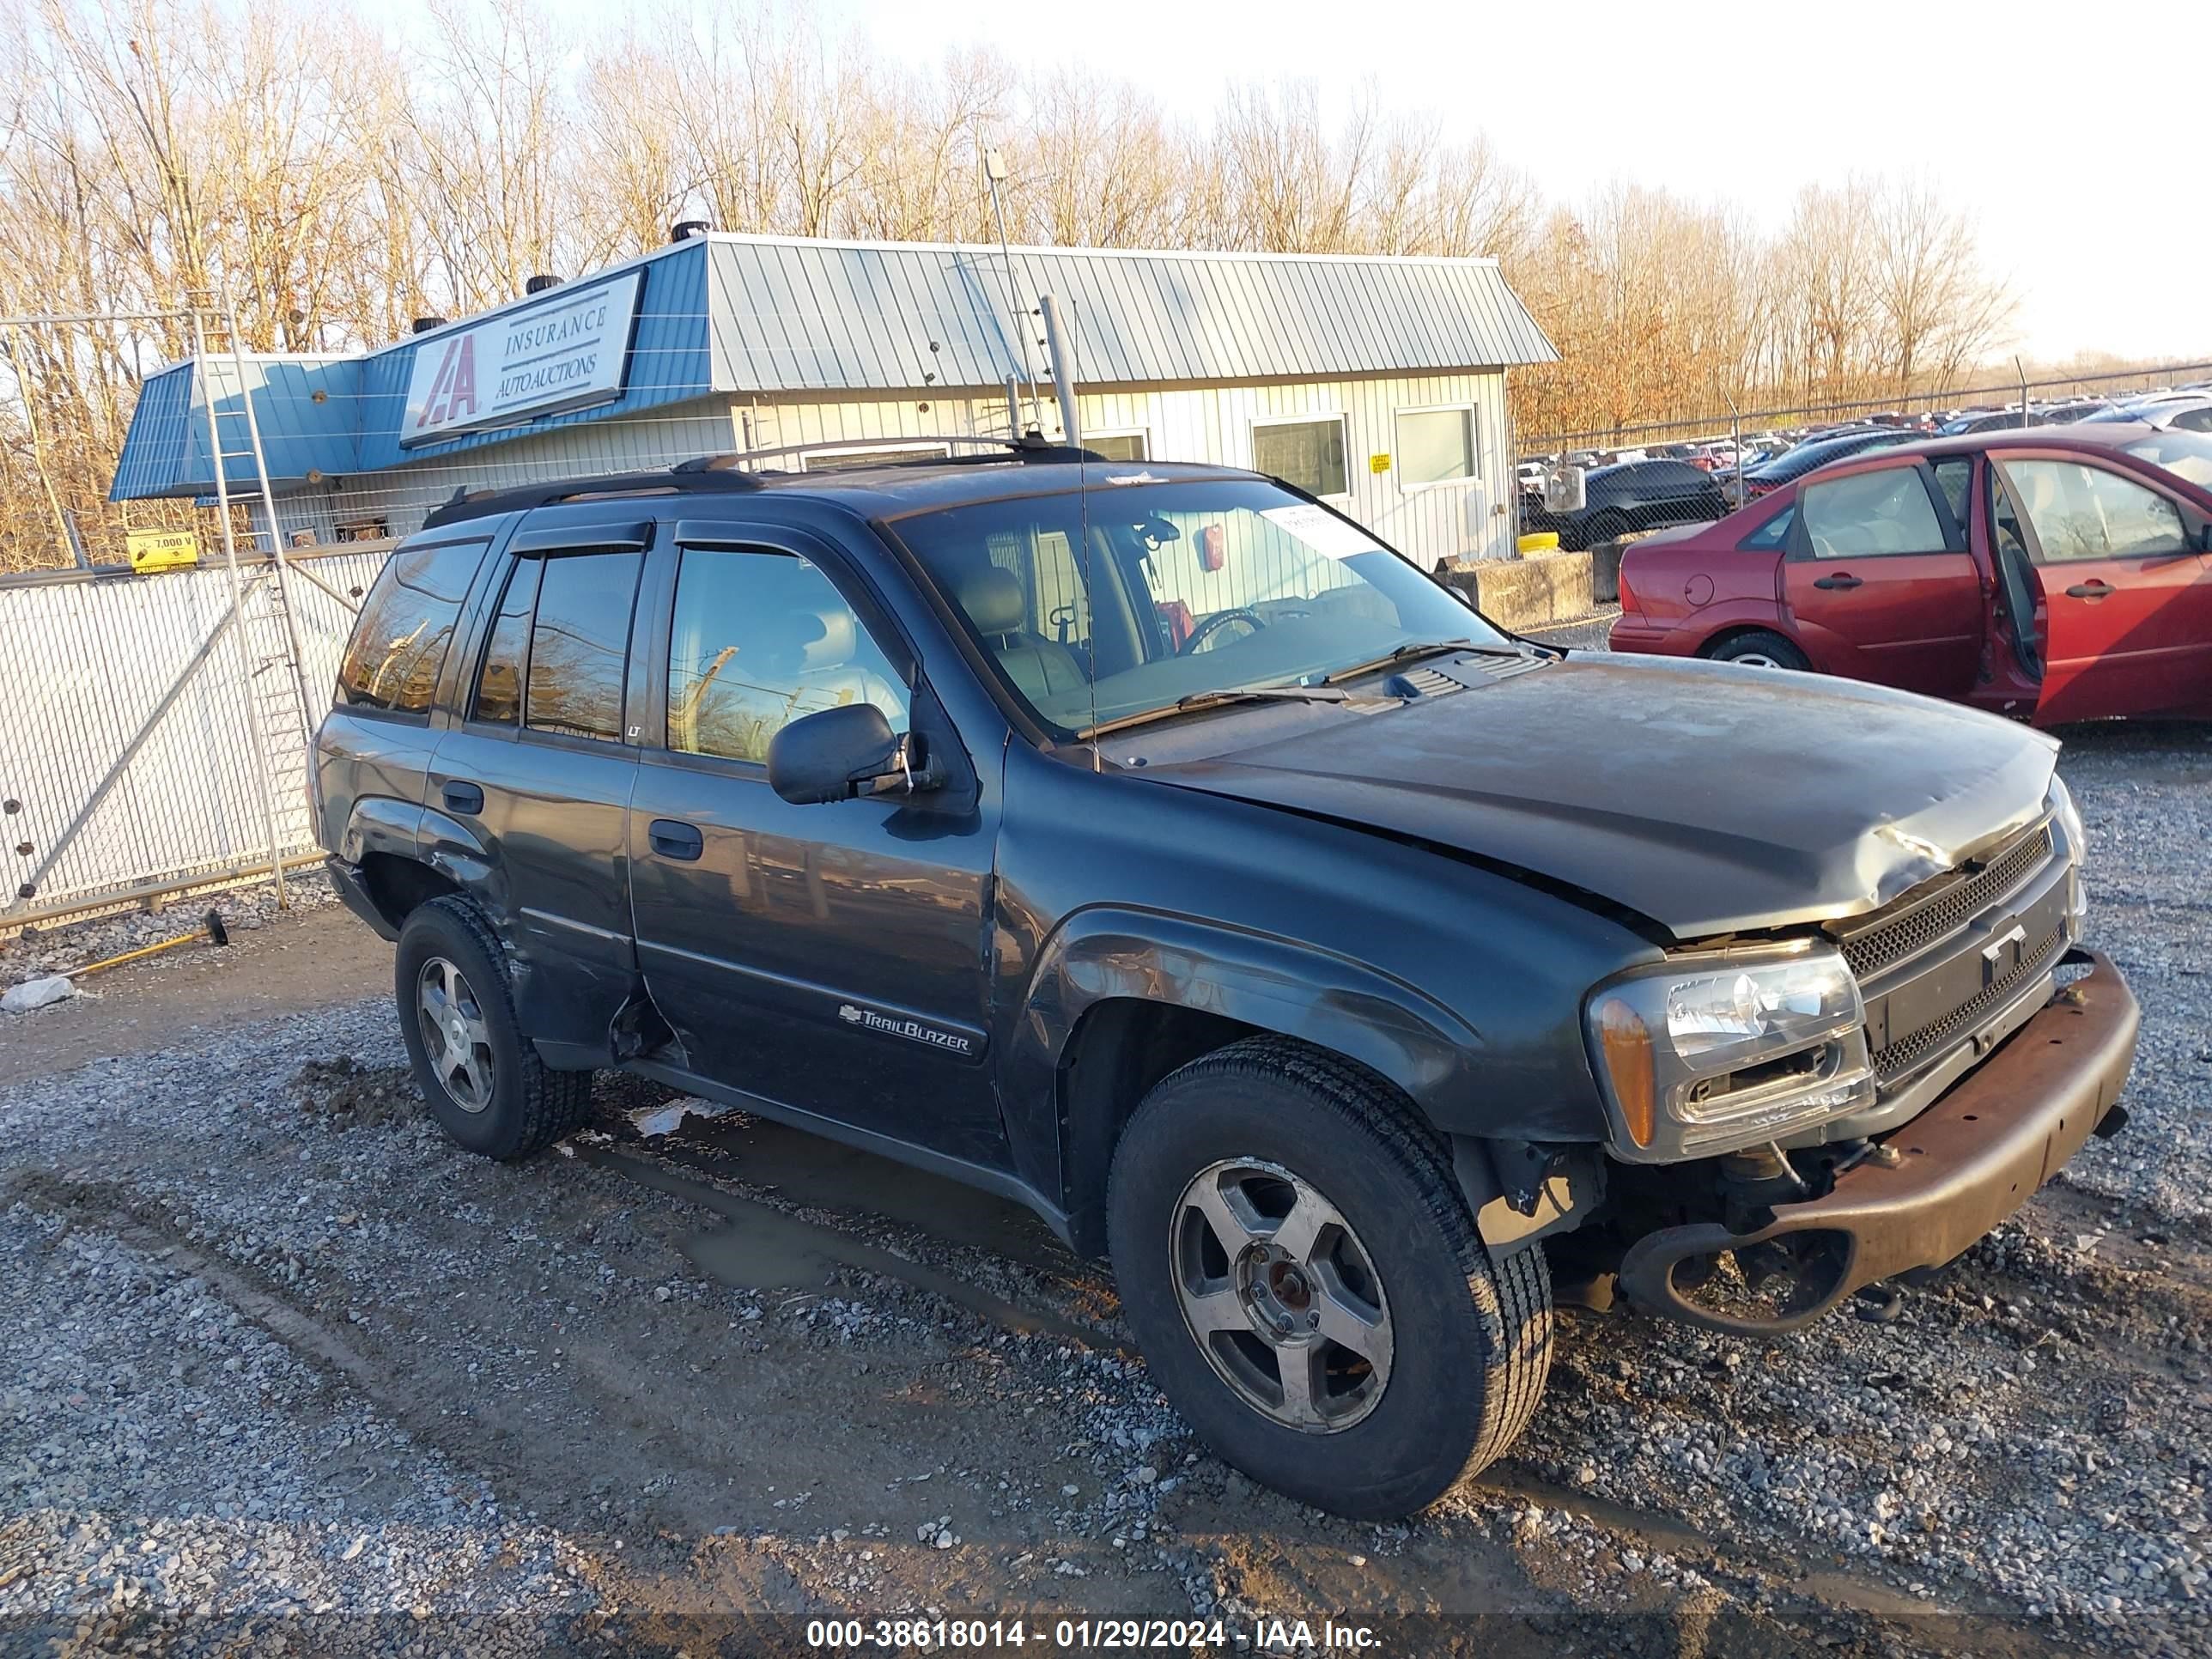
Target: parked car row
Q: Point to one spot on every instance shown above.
(2046, 574)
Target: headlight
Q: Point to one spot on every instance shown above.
(2068, 817)
(1710, 1052)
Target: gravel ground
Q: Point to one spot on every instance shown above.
(280, 1368)
(68, 944)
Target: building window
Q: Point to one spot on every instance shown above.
(580, 645)
(1308, 455)
(1435, 445)
(851, 460)
(1119, 445)
(761, 639)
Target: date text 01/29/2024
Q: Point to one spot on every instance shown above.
(1165, 1635)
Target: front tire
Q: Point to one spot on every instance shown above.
(1307, 1285)
(482, 1078)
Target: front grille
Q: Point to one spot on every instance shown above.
(1907, 1052)
(1940, 908)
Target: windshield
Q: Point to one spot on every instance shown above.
(1182, 589)
(2185, 454)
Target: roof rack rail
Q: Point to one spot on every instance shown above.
(466, 504)
(732, 472)
(1031, 447)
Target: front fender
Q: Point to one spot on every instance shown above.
(1259, 980)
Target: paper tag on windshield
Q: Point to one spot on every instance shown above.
(1322, 530)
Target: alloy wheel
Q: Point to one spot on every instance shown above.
(455, 1037)
(1280, 1296)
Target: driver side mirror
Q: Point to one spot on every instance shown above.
(838, 754)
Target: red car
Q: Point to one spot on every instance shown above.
(2051, 575)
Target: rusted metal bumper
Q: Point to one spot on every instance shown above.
(1959, 1169)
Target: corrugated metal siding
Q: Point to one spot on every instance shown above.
(669, 362)
(826, 316)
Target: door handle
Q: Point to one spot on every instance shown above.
(1841, 579)
(2090, 590)
(466, 798)
(672, 839)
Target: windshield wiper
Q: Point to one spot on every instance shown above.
(1222, 695)
(1417, 648)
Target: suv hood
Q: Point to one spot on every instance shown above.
(1709, 797)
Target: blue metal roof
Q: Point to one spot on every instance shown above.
(741, 315)
(305, 407)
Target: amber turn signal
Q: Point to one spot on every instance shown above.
(1628, 1044)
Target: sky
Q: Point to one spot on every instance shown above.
(2068, 131)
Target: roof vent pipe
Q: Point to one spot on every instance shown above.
(539, 283)
(424, 324)
(685, 229)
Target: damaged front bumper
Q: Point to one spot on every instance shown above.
(1938, 1183)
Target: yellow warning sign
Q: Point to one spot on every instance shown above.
(162, 550)
(1378, 463)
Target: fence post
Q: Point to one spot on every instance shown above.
(237, 607)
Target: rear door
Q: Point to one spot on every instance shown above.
(2125, 586)
(542, 763)
(829, 958)
(1879, 583)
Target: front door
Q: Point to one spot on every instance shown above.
(1880, 585)
(828, 957)
(2125, 586)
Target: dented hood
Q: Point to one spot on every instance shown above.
(1708, 797)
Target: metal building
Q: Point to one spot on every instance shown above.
(1377, 383)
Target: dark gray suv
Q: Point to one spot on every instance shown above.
(1150, 844)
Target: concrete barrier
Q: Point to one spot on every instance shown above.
(1605, 571)
(1526, 593)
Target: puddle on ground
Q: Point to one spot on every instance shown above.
(758, 1248)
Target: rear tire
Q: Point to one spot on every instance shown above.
(1360, 1233)
(482, 1078)
(1760, 650)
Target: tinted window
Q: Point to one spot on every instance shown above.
(1436, 445)
(760, 639)
(406, 623)
(2195, 420)
(1676, 477)
(1954, 476)
(1871, 514)
(580, 645)
(499, 683)
(1307, 453)
(1772, 535)
(2082, 511)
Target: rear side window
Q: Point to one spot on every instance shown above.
(1871, 514)
(406, 623)
(1772, 535)
(499, 683)
(580, 645)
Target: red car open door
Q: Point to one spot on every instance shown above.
(2125, 588)
(1879, 584)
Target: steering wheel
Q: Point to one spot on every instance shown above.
(1241, 613)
